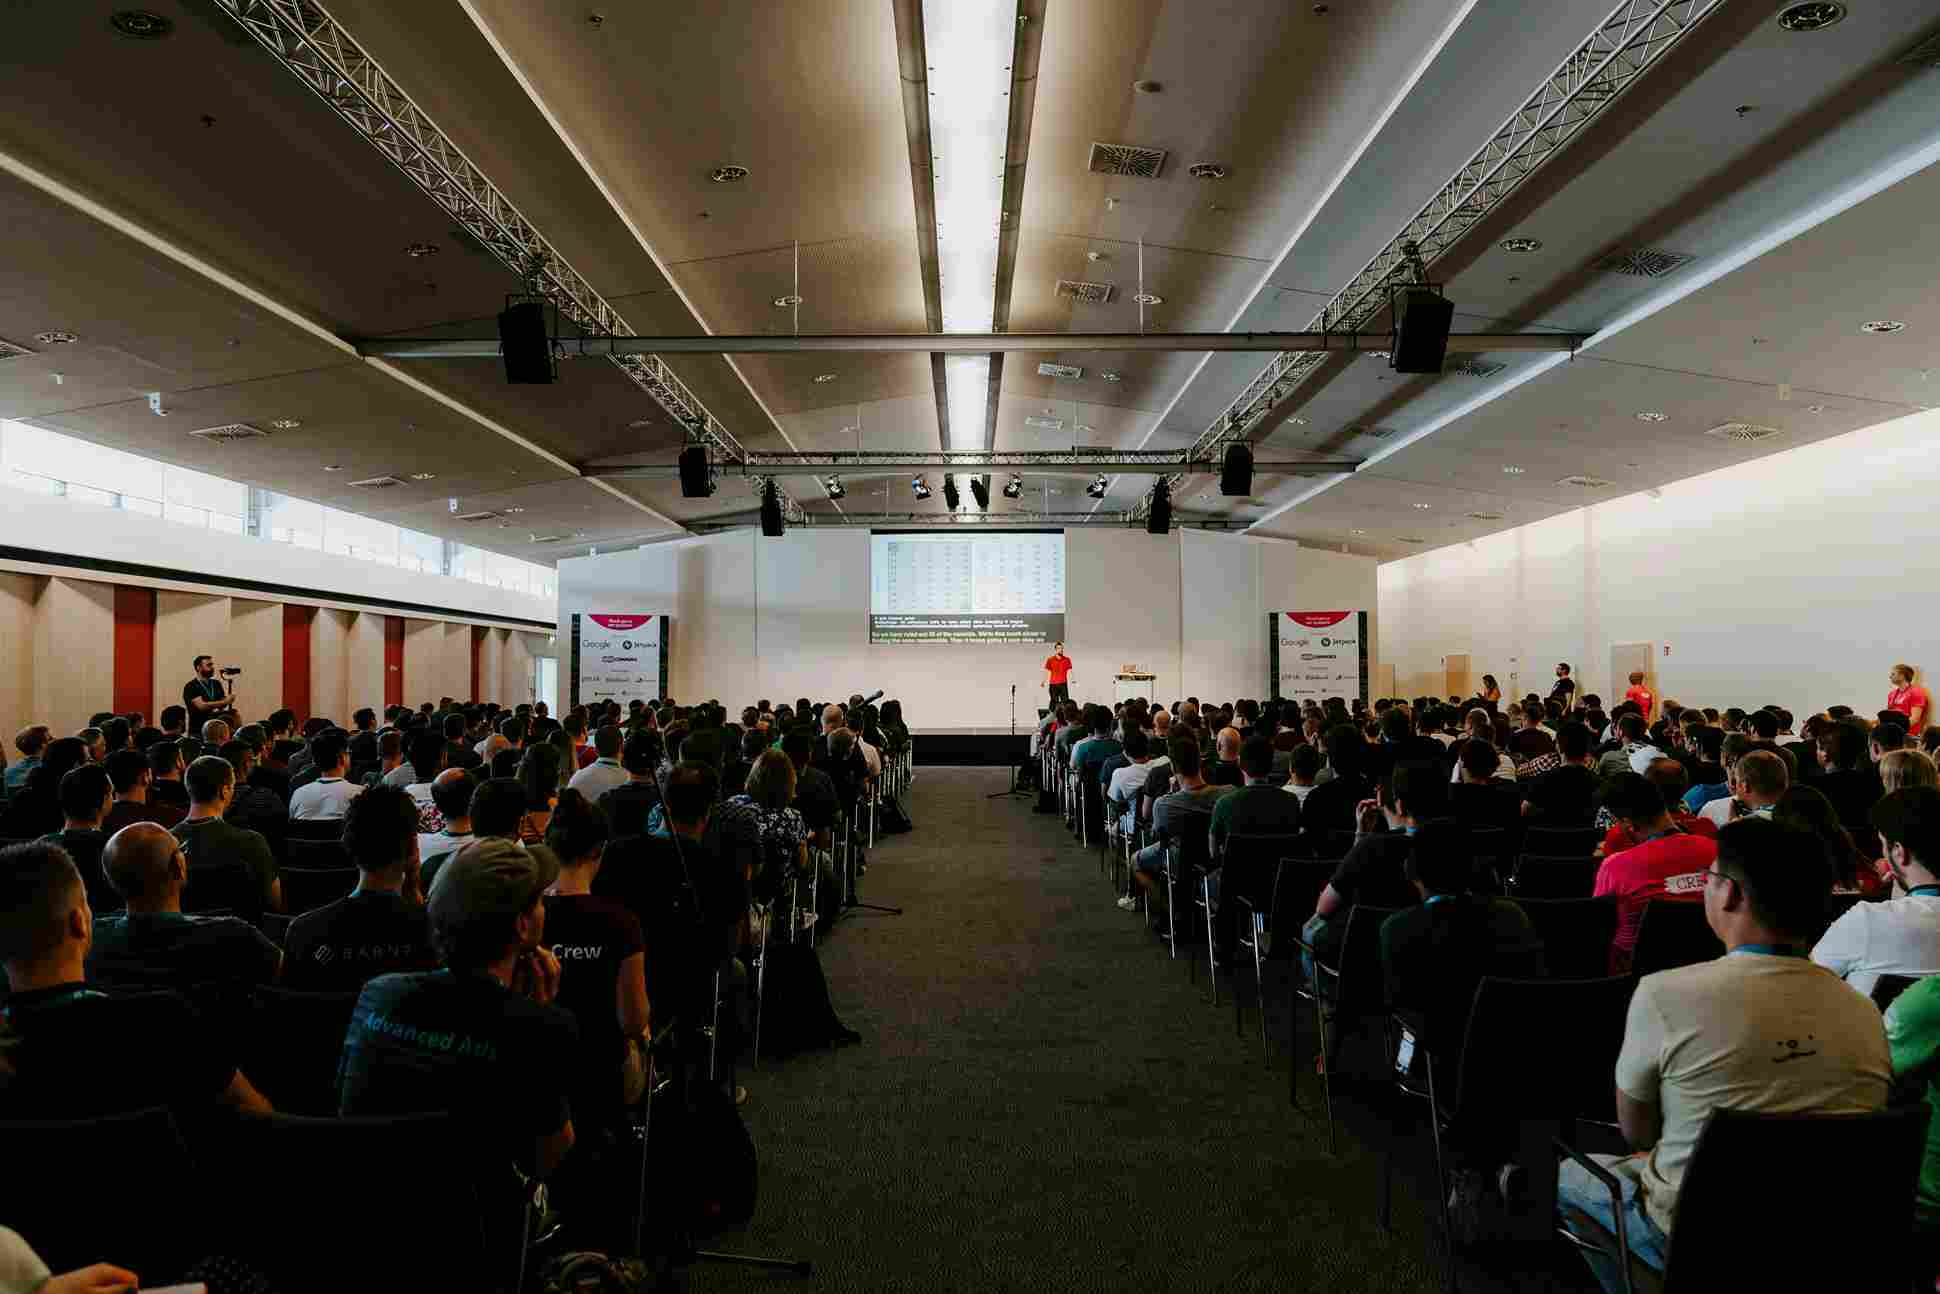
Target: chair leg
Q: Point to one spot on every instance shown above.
(1441, 1173)
(1259, 987)
(761, 979)
(1383, 1213)
(1212, 961)
(1326, 1063)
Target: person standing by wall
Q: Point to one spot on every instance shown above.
(1057, 674)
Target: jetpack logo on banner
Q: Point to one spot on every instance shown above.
(616, 657)
(1318, 654)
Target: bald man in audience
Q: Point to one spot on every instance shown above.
(1225, 770)
(154, 944)
(1161, 724)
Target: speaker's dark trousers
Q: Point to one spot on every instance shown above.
(1060, 693)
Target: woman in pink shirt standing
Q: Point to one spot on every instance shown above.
(1908, 697)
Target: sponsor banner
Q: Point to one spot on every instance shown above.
(966, 628)
(1314, 655)
(618, 657)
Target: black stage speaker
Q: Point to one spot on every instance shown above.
(1236, 471)
(980, 491)
(950, 496)
(694, 482)
(522, 338)
(1158, 519)
(1421, 320)
(772, 524)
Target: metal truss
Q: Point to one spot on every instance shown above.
(762, 464)
(316, 49)
(972, 520)
(1634, 35)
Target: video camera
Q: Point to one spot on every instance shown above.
(230, 671)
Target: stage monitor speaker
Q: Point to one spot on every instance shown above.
(1421, 320)
(772, 524)
(980, 491)
(523, 341)
(1158, 520)
(1236, 471)
(694, 482)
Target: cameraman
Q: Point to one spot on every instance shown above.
(203, 695)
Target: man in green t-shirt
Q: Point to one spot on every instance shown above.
(1913, 1035)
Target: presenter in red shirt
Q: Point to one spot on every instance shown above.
(1909, 698)
(1057, 674)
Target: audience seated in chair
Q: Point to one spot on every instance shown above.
(1667, 865)
(213, 843)
(1902, 935)
(1759, 1029)
(1186, 810)
(379, 928)
(1375, 869)
(69, 1044)
(330, 793)
(86, 798)
(133, 777)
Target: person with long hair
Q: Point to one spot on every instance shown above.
(1491, 690)
(1853, 872)
(538, 773)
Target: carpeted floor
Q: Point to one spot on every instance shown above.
(1043, 1101)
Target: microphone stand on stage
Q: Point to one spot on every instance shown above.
(1015, 789)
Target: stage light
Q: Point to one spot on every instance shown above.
(951, 499)
(834, 486)
(1097, 488)
(1014, 487)
(921, 487)
(980, 491)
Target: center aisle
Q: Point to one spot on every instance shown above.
(1041, 1099)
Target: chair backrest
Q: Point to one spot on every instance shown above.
(1561, 842)
(1543, 1048)
(324, 1172)
(1672, 933)
(307, 887)
(315, 829)
(275, 927)
(1489, 844)
(1249, 863)
(293, 1045)
(1362, 986)
(1296, 888)
(1329, 844)
(1755, 1198)
(1576, 934)
(1541, 876)
(226, 887)
(120, 1189)
(1887, 988)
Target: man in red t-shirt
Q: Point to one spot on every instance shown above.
(1667, 865)
(1639, 693)
(1057, 674)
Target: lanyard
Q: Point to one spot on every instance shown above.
(1433, 899)
(1924, 891)
(1769, 950)
(1675, 830)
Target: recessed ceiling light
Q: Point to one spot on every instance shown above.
(1424, 506)
(1148, 298)
(424, 476)
(1651, 416)
(1084, 426)
(1147, 87)
(55, 337)
(286, 424)
(824, 377)
(1522, 244)
(1881, 326)
(1297, 421)
(1357, 532)
(1816, 16)
(1512, 471)
(787, 302)
(1110, 376)
(418, 251)
(140, 24)
(333, 467)
(1815, 408)
(1206, 171)
(515, 509)
(729, 174)
(638, 423)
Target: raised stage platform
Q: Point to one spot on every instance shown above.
(970, 746)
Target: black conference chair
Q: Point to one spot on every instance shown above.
(1247, 868)
(1576, 934)
(1274, 933)
(1539, 876)
(1887, 989)
(293, 1045)
(1561, 842)
(1673, 933)
(1752, 1205)
(306, 888)
(315, 829)
(230, 888)
(1354, 985)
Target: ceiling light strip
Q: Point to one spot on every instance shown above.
(320, 53)
(1622, 47)
(1875, 182)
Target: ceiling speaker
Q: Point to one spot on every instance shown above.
(1421, 320)
(1236, 470)
(980, 491)
(1158, 518)
(950, 496)
(695, 482)
(523, 342)
(772, 524)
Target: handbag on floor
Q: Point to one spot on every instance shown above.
(893, 819)
(795, 1010)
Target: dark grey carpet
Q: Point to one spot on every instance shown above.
(1043, 1101)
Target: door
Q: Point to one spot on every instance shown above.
(1626, 659)
(1455, 676)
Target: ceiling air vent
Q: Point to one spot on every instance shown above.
(375, 483)
(1485, 516)
(229, 432)
(1059, 370)
(1126, 159)
(1586, 482)
(1095, 294)
(548, 539)
(1742, 433)
(1642, 262)
(1037, 422)
(1924, 54)
(474, 516)
(1372, 433)
(1473, 367)
(1409, 539)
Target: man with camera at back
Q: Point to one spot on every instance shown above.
(204, 695)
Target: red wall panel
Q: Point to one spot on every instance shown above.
(134, 651)
(297, 625)
(478, 648)
(393, 661)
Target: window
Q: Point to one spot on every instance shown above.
(292, 521)
(350, 535)
(422, 553)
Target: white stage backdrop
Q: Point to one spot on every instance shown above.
(1317, 654)
(617, 657)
